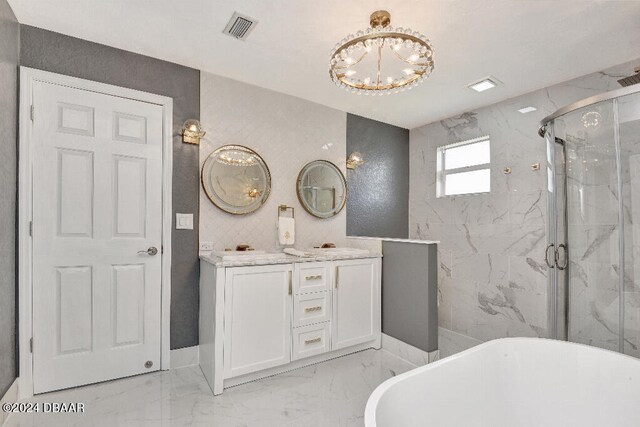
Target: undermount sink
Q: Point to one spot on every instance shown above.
(310, 252)
(338, 251)
(247, 255)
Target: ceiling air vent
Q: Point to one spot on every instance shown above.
(631, 80)
(239, 26)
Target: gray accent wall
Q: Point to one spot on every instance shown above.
(9, 55)
(378, 198)
(49, 51)
(410, 293)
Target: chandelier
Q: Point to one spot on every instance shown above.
(381, 59)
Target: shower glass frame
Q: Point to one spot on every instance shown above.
(558, 250)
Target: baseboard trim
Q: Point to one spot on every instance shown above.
(296, 364)
(10, 396)
(407, 352)
(451, 342)
(186, 356)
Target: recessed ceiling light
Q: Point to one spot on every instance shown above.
(484, 84)
(526, 110)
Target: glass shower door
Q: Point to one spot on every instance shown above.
(628, 115)
(592, 217)
(556, 236)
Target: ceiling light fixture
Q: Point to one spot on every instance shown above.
(484, 84)
(192, 132)
(526, 110)
(381, 59)
(355, 160)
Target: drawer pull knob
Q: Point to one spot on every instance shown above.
(311, 341)
(310, 309)
(316, 277)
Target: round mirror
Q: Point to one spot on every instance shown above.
(322, 189)
(236, 179)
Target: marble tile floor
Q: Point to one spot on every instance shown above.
(332, 393)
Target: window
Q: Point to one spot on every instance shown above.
(464, 167)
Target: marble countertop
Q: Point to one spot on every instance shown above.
(284, 259)
(391, 239)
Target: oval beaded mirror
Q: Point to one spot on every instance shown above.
(322, 189)
(236, 179)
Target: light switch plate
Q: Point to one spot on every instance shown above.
(184, 221)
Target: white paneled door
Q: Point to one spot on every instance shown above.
(97, 232)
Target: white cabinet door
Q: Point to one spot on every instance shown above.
(257, 318)
(97, 202)
(356, 302)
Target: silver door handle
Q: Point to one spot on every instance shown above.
(565, 258)
(151, 251)
(546, 255)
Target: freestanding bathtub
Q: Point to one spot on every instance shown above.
(514, 382)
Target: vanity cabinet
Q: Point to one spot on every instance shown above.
(257, 318)
(257, 321)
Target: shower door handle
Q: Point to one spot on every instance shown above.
(546, 255)
(565, 258)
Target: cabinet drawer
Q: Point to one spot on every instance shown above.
(312, 277)
(311, 308)
(311, 340)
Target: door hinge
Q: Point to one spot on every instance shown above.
(31, 228)
(31, 112)
(31, 345)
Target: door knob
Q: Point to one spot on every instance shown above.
(151, 251)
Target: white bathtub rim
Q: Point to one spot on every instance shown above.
(374, 398)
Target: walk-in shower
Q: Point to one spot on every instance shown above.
(593, 251)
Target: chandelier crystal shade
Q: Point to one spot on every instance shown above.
(381, 59)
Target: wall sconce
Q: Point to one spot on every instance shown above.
(192, 132)
(355, 159)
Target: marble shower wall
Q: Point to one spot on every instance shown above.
(629, 110)
(492, 276)
(288, 133)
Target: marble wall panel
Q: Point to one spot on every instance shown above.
(495, 284)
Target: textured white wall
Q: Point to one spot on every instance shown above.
(287, 132)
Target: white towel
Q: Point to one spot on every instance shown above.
(286, 230)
